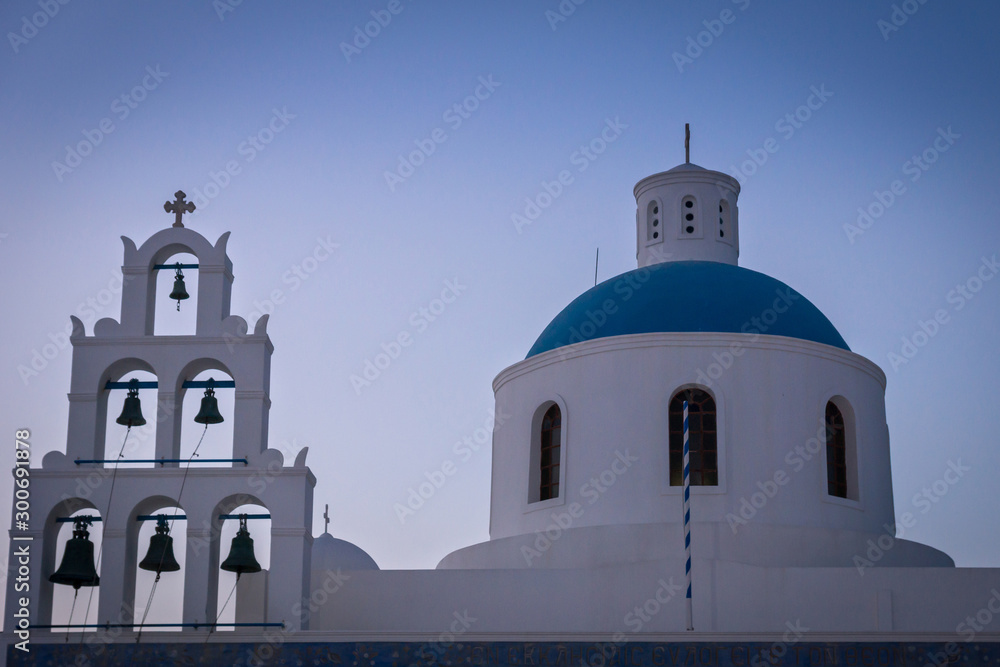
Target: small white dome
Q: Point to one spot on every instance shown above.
(329, 553)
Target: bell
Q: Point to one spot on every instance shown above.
(179, 293)
(77, 567)
(241, 558)
(132, 410)
(209, 413)
(160, 557)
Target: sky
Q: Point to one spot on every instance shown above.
(370, 158)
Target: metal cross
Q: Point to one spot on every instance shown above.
(326, 518)
(687, 143)
(179, 207)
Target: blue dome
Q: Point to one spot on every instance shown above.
(686, 297)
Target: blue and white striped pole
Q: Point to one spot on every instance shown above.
(687, 520)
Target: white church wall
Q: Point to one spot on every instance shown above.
(770, 403)
(731, 598)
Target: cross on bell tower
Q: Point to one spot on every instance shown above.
(178, 207)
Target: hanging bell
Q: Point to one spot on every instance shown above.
(132, 410)
(77, 567)
(160, 557)
(209, 413)
(179, 293)
(241, 558)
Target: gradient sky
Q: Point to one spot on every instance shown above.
(346, 119)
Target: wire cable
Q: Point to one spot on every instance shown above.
(152, 589)
(72, 607)
(225, 604)
(104, 527)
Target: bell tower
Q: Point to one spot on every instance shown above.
(687, 213)
(204, 493)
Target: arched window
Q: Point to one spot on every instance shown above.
(702, 438)
(549, 461)
(836, 452)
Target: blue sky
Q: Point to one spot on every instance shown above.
(309, 128)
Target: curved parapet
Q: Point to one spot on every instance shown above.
(79, 331)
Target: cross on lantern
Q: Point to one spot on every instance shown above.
(326, 518)
(178, 207)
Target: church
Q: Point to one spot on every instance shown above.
(692, 468)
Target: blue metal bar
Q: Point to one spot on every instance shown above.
(162, 461)
(126, 385)
(157, 517)
(188, 384)
(74, 519)
(223, 517)
(203, 384)
(174, 266)
(160, 625)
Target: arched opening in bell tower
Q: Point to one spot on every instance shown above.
(157, 601)
(122, 442)
(244, 602)
(72, 606)
(176, 296)
(211, 440)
